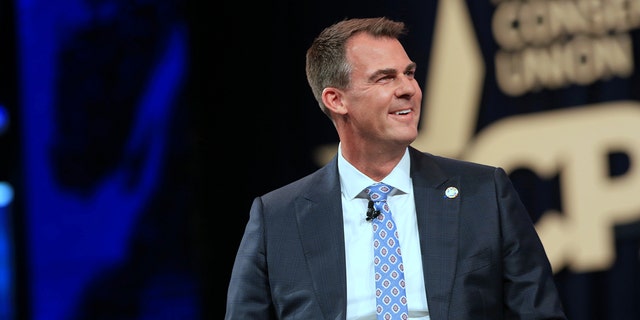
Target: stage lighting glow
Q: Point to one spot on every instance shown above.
(4, 119)
(6, 194)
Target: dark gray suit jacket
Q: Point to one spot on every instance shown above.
(481, 256)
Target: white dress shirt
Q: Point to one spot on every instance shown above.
(358, 238)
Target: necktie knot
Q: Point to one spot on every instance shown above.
(378, 191)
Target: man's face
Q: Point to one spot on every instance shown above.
(383, 99)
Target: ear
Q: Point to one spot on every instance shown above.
(333, 100)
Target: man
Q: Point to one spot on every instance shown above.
(469, 247)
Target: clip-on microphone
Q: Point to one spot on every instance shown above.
(371, 213)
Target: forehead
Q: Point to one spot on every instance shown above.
(384, 52)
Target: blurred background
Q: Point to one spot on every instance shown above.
(135, 134)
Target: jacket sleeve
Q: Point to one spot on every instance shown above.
(529, 288)
(249, 295)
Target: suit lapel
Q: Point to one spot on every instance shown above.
(438, 225)
(319, 219)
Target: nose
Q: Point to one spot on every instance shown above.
(407, 87)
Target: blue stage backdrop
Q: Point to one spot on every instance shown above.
(107, 181)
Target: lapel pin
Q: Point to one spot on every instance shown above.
(451, 192)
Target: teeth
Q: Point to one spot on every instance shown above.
(402, 112)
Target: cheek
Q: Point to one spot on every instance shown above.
(369, 105)
(365, 118)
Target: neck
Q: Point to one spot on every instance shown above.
(375, 162)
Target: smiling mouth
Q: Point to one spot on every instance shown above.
(402, 112)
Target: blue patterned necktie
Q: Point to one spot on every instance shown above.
(391, 298)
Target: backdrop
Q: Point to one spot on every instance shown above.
(135, 134)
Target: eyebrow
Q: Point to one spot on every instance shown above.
(391, 71)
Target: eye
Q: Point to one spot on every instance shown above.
(386, 78)
(410, 73)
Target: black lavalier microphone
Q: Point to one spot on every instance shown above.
(371, 213)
